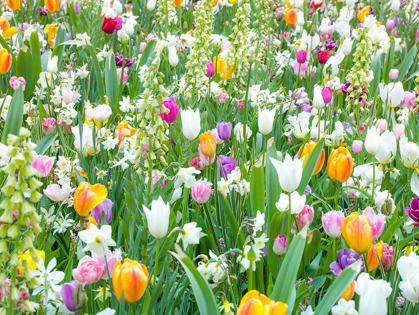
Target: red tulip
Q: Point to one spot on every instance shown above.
(109, 25)
(323, 56)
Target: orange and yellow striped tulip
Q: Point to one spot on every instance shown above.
(51, 30)
(5, 61)
(290, 17)
(306, 152)
(14, 4)
(254, 303)
(124, 129)
(52, 5)
(374, 256)
(208, 144)
(220, 67)
(357, 231)
(349, 292)
(5, 27)
(340, 165)
(131, 277)
(87, 197)
(362, 14)
(177, 3)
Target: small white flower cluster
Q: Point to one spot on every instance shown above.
(234, 183)
(213, 269)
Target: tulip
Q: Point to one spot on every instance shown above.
(374, 256)
(318, 102)
(224, 130)
(346, 258)
(173, 57)
(280, 245)
(347, 46)
(387, 148)
(227, 164)
(390, 25)
(396, 94)
(178, 3)
(48, 125)
(52, 5)
(394, 74)
(363, 13)
(201, 191)
(291, 17)
(52, 66)
(340, 165)
(208, 144)
(74, 295)
(118, 27)
(399, 130)
(104, 207)
(266, 120)
(306, 216)
(124, 129)
(90, 270)
(101, 114)
(5, 27)
(382, 125)
(131, 277)
(307, 149)
(413, 211)
(373, 295)
(409, 153)
(109, 25)
(14, 4)
(408, 267)
(357, 231)
(87, 197)
(221, 68)
(255, 303)
(332, 223)
(297, 202)
(43, 165)
(206, 160)
(158, 218)
(191, 123)
(301, 56)
(209, 71)
(151, 5)
(349, 292)
(357, 146)
(377, 221)
(173, 110)
(323, 56)
(5, 61)
(327, 94)
(289, 172)
(57, 193)
(15, 82)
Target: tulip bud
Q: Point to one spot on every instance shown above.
(357, 146)
(280, 245)
(173, 110)
(323, 56)
(52, 66)
(191, 123)
(151, 5)
(291, 17)
(301, 56)
(372, 141)
(224, 130)
(382, 125)
(390, 24)
(52, 5)
(173, 57)
(266, 120)
(5, 61)
(74, 295)
(327, 94)
(394, 74)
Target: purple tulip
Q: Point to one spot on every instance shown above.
(105, 206)
(301, 56)
(413, 211)
(209, 72)
(77, 9)
(224, 130)
(171, 105)
(346, 257)
(119, 59)
(43, 11)
(227, 165)
(73, 295)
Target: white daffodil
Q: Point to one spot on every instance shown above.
(97, 240)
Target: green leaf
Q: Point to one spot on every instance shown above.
(273, 189)
(376, 69)
(310, 165)
(284, 289)
(145, 59)
(339, 286)
(14, 117)
(277, 227)
(389, 61)
(45, 143)
(36, 56)
(202, 291)
(111, 82)
(97, 70)
(407, 63)
(234, 225)
(257, 191)
(25, 69)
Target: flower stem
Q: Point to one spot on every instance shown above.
(157, 263)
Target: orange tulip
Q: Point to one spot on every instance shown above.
(306, 152)
(14, 4)
(255, 303)
(124, 129)
(362, 14)
(357, 231)
(220, 67)
(349, 292)
(92, 220)
(5, 61)
(374, 256)
(178, 3)
(87, 197)
(290, 17)
(7, 30)
(52, 5)
(208, 144)
(51, 31)
(340, 165)
(131, 277)
(214, 3)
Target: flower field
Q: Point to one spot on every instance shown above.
(209, 157)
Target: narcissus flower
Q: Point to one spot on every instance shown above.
(208, 144)
(31, 262)
(88, 197)
(255, 303)
(357, 231)
(5, 27)
(340, 165)
(307, 149)
(5, 61)
(52, 5)
(131, 277)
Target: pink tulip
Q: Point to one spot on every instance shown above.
(305, 216)
(90, 270)
(399, 130)
(382, 124)
(377, 221)
(327, 95)
(15, 82)
(118, 74)
(173, 108)
(301, 56)
(69, 96)
(357, 146)
(332, 223)
(43, 165)
(394, 74)
(387, 258)
(201, 191)
(48, 125)
(57, 193)
(280, 245)
(390, 24)
(102, 112)
(299, 68)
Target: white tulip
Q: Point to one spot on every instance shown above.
(102, 112)
(318, 102)
(173, 57)
(52, 66)
(266, 120)
(238, 132)
(373, 295)
(289, 172)
(395, 5)
(408, 267)
(396, 94)
(331, 65)
(409, 153)
(346, 46)
(158, 218)
(191, 123)
(151, 5)
(300, 18)
(388, 148)
(372, 140)
(297, 202)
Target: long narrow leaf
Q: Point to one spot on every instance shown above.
(14, 117)
(310, 165)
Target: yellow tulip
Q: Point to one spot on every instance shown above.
(51, 30)
(340, 165)
(14, 4)
(306, 152)
(31, 262)
(52, 5)
(7, 30)
(5, 61)
(372, 260)
(290, 16)
(87, 197)
(92, 220)
(254, 303)
(208, 144)
(220, 67)
(362, 14)
(349, 292)
(131, 277)
(357, 231)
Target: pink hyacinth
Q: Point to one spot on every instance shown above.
(43, 165)
(377, 221)
(332, 223)
(223, 97)
(15, 82)
(201, 191)
(280, 245)
(305, 216)
(90, 270)
(48, 125)
(387, 258)
(240, 104)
